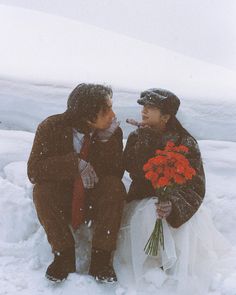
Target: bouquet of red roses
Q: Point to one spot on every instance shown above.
(167, 170)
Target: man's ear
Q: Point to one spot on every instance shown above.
(90, 123)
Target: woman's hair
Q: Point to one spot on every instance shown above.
(174, 124)
(84, 104)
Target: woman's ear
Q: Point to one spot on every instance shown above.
(166, 118)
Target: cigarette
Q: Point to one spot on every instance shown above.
(133, 122)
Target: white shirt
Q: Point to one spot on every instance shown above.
(78, 139)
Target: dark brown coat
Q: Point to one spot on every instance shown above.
(53, 160)
(53, 167)
(141, 146)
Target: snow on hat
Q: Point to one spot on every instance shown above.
(160, 98)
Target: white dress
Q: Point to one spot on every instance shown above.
(185, 266)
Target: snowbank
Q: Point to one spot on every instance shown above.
(23, 106)
(24, 250)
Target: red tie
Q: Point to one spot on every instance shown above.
(78, 198)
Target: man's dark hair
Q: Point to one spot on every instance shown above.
(84, 104)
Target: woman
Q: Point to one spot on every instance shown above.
(192, 244)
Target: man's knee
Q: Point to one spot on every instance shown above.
(48, 206)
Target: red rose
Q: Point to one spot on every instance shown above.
(180, 168)
(169, 166)
(148, 175)
(179, 179)
(183, 148)
(169, 145)
(163, 181)
(190, 172)
(147, 166)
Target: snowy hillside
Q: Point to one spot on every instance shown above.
(43, 57)
(36, 46)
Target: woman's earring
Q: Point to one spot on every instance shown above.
(163, 122)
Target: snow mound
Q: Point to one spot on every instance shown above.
(24, 250)
(29, 104)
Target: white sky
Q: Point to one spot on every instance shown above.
(205, 29)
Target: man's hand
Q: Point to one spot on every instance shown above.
(104, 135)
(163, 209)
(87, 173)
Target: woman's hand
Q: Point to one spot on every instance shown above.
(136, 123)
(163, 209)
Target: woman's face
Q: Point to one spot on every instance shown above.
(151, 116)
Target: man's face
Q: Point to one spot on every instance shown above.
(104, 118)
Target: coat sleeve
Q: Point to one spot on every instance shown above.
(137, 151)
(187, 199)
(129, 157)
(107, 156)
(42, 167)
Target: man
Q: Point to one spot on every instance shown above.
(76, 165)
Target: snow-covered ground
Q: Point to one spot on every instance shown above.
(42, 58)
(24, 250)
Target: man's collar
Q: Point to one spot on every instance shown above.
(81, 135)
